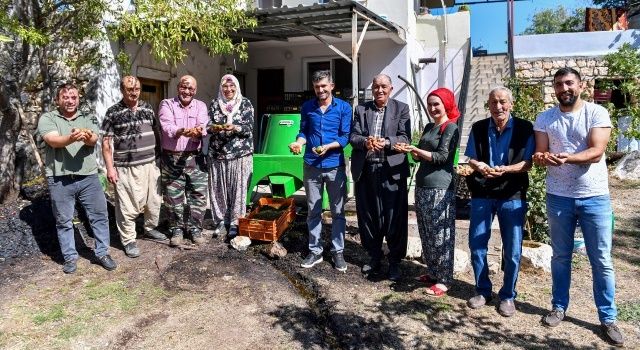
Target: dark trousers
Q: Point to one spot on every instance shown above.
(381, 203)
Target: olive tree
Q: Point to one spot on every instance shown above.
(46, 42)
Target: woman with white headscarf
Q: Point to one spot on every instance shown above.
(230, 155)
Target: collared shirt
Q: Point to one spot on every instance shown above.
(173, 116)
(321, 128)
(134, 140)
(377, 156)
(499, 144)
(76, 158)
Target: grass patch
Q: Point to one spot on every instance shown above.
(125, 298)
(70, 331)
(55, 313)
(629, 311)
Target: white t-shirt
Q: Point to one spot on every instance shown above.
(568, 132)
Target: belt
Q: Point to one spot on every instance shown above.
(71, 176)
(179, 153)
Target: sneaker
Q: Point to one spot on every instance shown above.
(132, 250)
(176, 237)
(507, 308)
(394, 272)
(478, 301)
(613, 333)
(311, 260)
(231, 233)
(219, 230)
(339, 263)
(107, 262)
(70, 266)
(553, 318)
(196, 236)
(155, 234)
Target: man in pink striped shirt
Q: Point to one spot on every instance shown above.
(184, 171)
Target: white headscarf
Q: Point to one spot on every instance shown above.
(229, 107)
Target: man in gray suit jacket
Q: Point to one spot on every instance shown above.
(380, 175)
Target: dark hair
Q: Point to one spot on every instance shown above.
(64, 87)
(321, 74)
(566, 71)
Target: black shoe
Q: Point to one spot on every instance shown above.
(219, 230)
(132, 250)
(372, 267)
(70, 266)
(311, 260)
(394, 272)
(196, 236)
(107, 262)
(232, 232)
(176, 237)
(156, 235)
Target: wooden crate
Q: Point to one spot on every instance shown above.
(267, 230)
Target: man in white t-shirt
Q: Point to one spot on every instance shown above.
(570, 141)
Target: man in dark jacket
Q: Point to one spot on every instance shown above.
(380, 175)
(500, 150)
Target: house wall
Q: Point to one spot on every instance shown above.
(538, 57)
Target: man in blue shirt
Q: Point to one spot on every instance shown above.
(500, 150)
(324, 129)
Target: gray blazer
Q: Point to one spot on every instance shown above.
(396, 128)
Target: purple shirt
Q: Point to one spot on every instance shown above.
(174, 116)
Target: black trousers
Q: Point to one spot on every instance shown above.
(381, 203)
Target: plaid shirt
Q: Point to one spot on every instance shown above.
(377, 156)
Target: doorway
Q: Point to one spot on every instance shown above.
(153, 92)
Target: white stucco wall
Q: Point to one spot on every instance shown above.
(572, 44)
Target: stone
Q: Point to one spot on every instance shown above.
(581, 63)
(536, 256)
(538, 73)
(571, 63)
(461, 261)
(240, 243)
(494, 267)
(275, 250)
(414, 247)
(547, 65)
(628, 167)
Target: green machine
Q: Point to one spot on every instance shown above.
(275, 164)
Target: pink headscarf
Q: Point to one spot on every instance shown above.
(449, 102)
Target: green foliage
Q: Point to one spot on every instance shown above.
(166, 24)
(558, 20)
(124, 62)
(528, 102)
(629, 312)
(610, 3)
(624, 64)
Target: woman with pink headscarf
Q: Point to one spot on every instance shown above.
(435, 190)
(230, 155)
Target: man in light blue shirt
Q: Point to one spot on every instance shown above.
(324, 129)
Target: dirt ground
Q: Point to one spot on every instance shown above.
(218, 298)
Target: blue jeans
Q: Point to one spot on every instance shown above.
(511, 219)
(594, 216)
(335, 180)
(64, 191)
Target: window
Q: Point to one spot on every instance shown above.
(266, 4)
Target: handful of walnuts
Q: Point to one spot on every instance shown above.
(192, 132)
(318, 150)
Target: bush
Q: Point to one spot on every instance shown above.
(528, 102)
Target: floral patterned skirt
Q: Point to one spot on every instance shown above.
(436, 214)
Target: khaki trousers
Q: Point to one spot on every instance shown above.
(137, 192)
